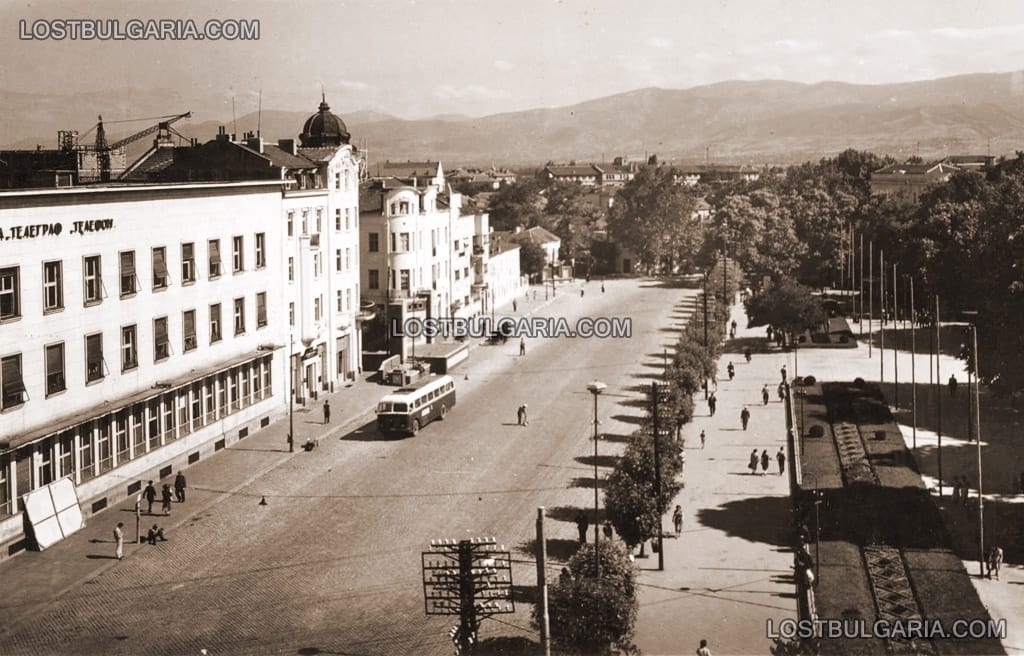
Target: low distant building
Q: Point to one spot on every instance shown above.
(910, 180)
(693, 174)
(419, 173)
(971, 162)
(587, 175)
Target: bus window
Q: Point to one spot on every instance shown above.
(399, 407)
(383, 407)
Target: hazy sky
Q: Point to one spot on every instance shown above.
(419, 58)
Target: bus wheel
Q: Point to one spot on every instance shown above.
(415, 426)
(444, 410)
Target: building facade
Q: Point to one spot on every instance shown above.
(140, 328)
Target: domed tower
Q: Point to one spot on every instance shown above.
(324, 129)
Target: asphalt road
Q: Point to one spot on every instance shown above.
(332, 564)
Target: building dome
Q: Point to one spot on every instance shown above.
(324, 129)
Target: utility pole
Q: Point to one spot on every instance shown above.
(871, 296)
(291, 398)
(657, 475)
(860, 295)
(895, 342)
(881, 310)
(913, 364)
(977, 431)
(938, 387)
(542, 584)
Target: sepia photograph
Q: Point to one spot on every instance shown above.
(524, 328)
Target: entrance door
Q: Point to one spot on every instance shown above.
(627, 265)
(311, 380)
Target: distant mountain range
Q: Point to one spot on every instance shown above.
(754, 122)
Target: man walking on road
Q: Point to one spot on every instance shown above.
(179, 487)
(702, 438)
(677, 520)
(119, 541)
(732, 371)
(752, 466)
(165, 498)
(327, 412)
(952, 385)
(712, 401)
(783, 372)
(150, 494)
(745, 417)
(522, 345)
(764, 394)
(781, 457)
(765, 460)
(582, 524)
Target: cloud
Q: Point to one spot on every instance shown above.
(659, 42)
(502, 65)
(354, 85)
(468, 92)
(891, 33)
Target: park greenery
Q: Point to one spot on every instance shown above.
(961, 241)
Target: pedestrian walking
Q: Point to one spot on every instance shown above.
(782, 391)
(515, 307)
(607, 530)
(783, 372)
(535, 294)
(165, 498)
(150, 495)
(764, 394)
(752, 466)
(952, 385)
(677, 520)
(179, 487)
(956, 489)
(602, 287)
(732, 329)
(995, 561)
(965, 493)
(520, 416)
(765, 461)
(732, 370)
(582, 524)
(702, 438)
(781, 457)
(522, 345)
(327, 412)
(581, 293)
(747, 354)
(745, 417)
(770, 335)
(154, 534)
(712, 402)
(119, 541)
(703, 649)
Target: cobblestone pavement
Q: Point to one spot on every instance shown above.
(332, 563)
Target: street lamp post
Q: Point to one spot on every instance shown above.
(291, 400)
(817, 526)
(596, 387)
(977, 434)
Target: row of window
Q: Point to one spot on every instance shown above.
(99, 445)
(403, 278)
(12, 387)
(93, 290)
(403, 242)
(350, 221)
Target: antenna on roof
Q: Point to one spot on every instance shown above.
(234, 118)
(259, 114)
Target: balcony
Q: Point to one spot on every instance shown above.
(314, 240)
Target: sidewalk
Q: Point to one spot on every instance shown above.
(730, 571)
(32, 580)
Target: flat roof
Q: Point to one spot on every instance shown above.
(130, 186)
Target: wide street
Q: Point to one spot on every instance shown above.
(332, 563)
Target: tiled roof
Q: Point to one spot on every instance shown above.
(409, 169)
(279, 157)
(322, 154)
(573, 170)
(916, 169)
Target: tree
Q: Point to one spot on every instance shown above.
(532, 259)
(568, 214)
(517, 204)
(785, 305)
(590, 615)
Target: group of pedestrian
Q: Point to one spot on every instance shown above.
(764, 460)
(731, 370)
(712, 403)
(994, 560)
(961, 490)
(149, 494)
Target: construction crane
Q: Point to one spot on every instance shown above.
(71, 140)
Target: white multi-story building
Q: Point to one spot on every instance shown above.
(140, 329)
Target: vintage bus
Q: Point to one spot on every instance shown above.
(410, 408)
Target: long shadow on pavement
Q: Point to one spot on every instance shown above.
(558, 548)
(368, 433)
(759, 519)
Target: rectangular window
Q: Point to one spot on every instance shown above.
(237, 256)
(261, 309)
(239, 316)
(261, 250)
(348, 259)
(215, 265)
(316, 309)
(129, 347)
(337, 260)
(104, 449)
(374, 279)
(10, 293)
(53, 286)
(348, 300)
(316, 265)
(374, 242)
(291, 269)
(94, 358)
(215, 335)
(337, 219)
(404, 277)
(188, 329)
(127, 273)
(341, 307)
(305, 222)
(291, 314)
(319, 219)
(188, 263)
(161, 342)
(291, 223)
(348, 214)
(92, 280)
(403, 241)
(55, 369)
(160, 275)
(12, 388)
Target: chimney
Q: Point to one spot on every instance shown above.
(288, 146)
(221, 134)
(253, 142)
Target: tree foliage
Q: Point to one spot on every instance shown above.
(785, 305)
(532, 259)
(590, 615)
